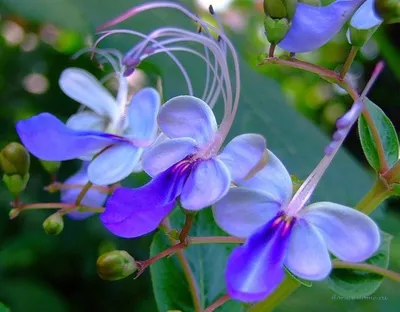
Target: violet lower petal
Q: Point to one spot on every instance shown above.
(255, 269)
(46, 137)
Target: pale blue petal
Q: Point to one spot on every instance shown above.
(114, 164)
(208, 182)
(93, 198)
(242, 211)
(162, 156)
(307, 255)
(349, 234)
(142, 115)
(84, 88)
(312, 26)
(87, 121)
(366, 16)
(255, 269)
(273, 179)
(48, 138)
(187, 116)
(243, 154)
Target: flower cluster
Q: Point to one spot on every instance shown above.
(181, 146)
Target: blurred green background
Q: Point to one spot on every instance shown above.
(296, 112)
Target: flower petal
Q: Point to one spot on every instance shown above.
(136, 212)
(93, 198)
(208, 182)
(142, 114)
(349, 234)
(312, 26)
(243, 211)
(273, 179)
(243, 154)
(255, 269)
(87, 121)
(84, 88)
(114, 164)
(366, 16)
(162, 156)
(307, 255)
(187, 116)
(48, 138)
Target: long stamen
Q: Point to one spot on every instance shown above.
(344, 125)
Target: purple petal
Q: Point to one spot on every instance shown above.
(136, 212)
(312, 26)
(142, 114)
(273, 179)
(307, 255)
(48, 138)
(114, 164)
(93, 198)
(366, 16)
(163, 155)
(255, 269)
(243, 154)
(84, 88)
(208, 182)
(243, 211)
(349, 234)
(187, 116)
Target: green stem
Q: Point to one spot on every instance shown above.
(375, 196)
(368, 268)
(349, 61)
(393, 175)
(287, 287)
(57, 186)
(215, 240)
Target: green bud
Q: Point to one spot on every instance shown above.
(280, 8)
(13, 214)
(15, 159)
(276, 29)
(358, 37)
(54, 224)
(115, 265)
(50, 166)
(389, 10)
(15, 183)
(316, 3)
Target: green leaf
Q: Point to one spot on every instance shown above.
(3, 308)
(352, 283)
(206, 261)
(387, 134)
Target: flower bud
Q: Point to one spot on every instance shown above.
(54, 224)
(115, 265)
(389, 10)
(276, 29)
(280, 8)
(15, 183)
(15, 159)
(50, 166)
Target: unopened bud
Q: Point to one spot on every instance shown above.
(276, 29)
(15, 159)
(280, 8)
(115, 265)
(316, 3)
(15, 183)
(54, 224)
(389, 10)
(50, 166)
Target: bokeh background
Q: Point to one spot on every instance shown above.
(296, 111)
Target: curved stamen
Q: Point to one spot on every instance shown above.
(344, 126)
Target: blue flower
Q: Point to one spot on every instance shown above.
(312, 26)
(366, 16)
(116, 131)
(187, 166)
(93, 197)
(282, 230)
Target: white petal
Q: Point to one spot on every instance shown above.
(87, 121)
(349, 234)
(84, 88)
(242, 211)
(366, 17)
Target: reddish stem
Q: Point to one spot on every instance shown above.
(218, 303)
(56, 186)
(186, 228)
